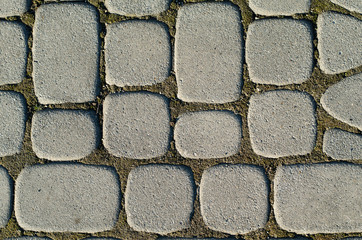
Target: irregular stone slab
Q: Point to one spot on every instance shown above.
(343, 100)
(13, 52)
(137, 53)
(339, 44)
(279, 7)
(234, 198)
(282, 123)
(352, 5)
(137, 7)
(6, 193)
(342, 145)
(208, 52)
(319, 198)
(13, 7)
(12, 122)
(208, 134)
(136, 125)
(67, 198)
(159, 198)
(63, 135)
(279, 51)
(66, 53)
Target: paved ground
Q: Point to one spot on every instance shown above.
(160, 119)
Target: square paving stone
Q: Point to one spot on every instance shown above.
(137, 52)
(136, 125)
(67, 197)
(209, 52)
(66, 53)
(159, 198)
(13, 48)
(319, 198)
(208, 134)
(64, 134)
(6, 197)
(279, 7)
(234, 198)
(137, 7)
(13, 7)
(12, 122)
(279, 51)
(282, 123)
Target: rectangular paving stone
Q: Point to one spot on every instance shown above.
(209, 52)
(6, 197)
(319, 198)
(279, 7)
(137, 7)
(66, 53)
(13, 7)
(67, 197)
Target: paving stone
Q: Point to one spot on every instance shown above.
(279, 7)
(6, 193)
(137, 7)
(13, 55)
(282, 123)
(195, 238)
(101, 238)
(159, 198)
(319, 198)
(352, 5)
(234, 198)
(67, 197)
(208, 134)
(339, 44)
(342, 145)
(13, 7)
(28, 238)
(66, 53)
(136, 125)
(279, 51)
(12, 122)
(209, 52)
(64, 134)
(343, 100)
(137, 52)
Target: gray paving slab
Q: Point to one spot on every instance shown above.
(66, 53)
(101, 238)
(137, 7)
(66, 197)
(159, 198)
(352, 5)
(339, 44)
(28, 238)
(343, 100)
(209, 52)
(208, 134)
(13, 45)
(62, 135)
(12, 122)
(319, 198)
(282, 123)
(136, 125)
(137, 53)
(279, 7)
(13, 7)
(342, 145)
(279, 51)
(234, 198)
(6, 199)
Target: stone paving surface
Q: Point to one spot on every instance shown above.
(352, 5)
(13, 7)
(6, 193)
(137, 7)
(279, 7)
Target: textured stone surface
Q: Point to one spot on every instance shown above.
(101, 238)
(352, 5)
(28, 238)
(342, 145)
(339, 44)
(137, 7)
(208, 52)
(6, 193)
(136, 125)
(12, 122)
(279, 7)
(13, 7)
(66, 53)
(279, 51)
(343, 100)
(208, 134)
(67, 198)
(319, 198)
(282, 123)
(137, 52)
(64, 134)
(234, 198)
(159, 198)
(13, 55)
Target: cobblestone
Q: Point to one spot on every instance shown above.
(279, 7)
(137, 7)
(13, 7)
(6, 192)
(352, 5)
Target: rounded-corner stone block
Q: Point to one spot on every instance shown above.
(279, 7)
(67, 197)
(63, 135)
(11, 8)
(6, 199)
(208, 134)
(282, 123)
(137, 7)
(279, 51)
(160, 198)
(137, 53)
(234, 198)
(351, 5)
